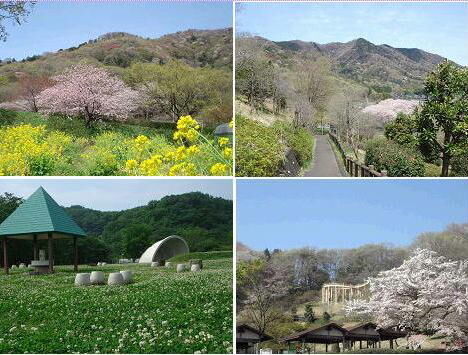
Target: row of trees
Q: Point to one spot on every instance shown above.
(302, 89)
(149, 90)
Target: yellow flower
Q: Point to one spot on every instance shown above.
(150, 167)
(131, 164)
(223, 141)
(227, 152)
(219, 169)
(193, 149)
(187, 128)
(141, 142)
(183, 169)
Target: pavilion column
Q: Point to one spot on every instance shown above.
(35, 248)
(5, 255)
(51, 253)
(75, 248)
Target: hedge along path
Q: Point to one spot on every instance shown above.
(324, 164)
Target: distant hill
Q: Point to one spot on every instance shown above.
(382, 67)
(244, 253)
(198, 48)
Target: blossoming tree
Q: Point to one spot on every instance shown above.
(90, 92)
(428, 294)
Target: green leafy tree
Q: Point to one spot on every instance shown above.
(309, 314)
(177, 89)
(8, 203)
(442, 121)
(136, 240)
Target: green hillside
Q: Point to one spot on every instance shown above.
(205, 222)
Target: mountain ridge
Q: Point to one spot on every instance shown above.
(381, 66)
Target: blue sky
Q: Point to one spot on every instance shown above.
(435, 27)
(296, 213)
(115, 194)
(54, 24)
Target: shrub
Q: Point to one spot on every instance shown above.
(460, 165)
(396, 159)
(258, 150)
(300, 140)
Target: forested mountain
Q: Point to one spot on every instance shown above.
(381, 67)
(205, 222)
(198, 48)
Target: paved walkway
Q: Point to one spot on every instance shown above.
(324, 163)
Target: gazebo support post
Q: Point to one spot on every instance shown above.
(326, 347)
(5, 255)
(75, 248)
(35, 249)
(51, 253)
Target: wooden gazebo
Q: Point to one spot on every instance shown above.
(40, 218)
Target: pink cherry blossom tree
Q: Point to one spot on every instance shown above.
(428, 294)
(89, 92)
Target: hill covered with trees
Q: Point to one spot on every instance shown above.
(205, 222)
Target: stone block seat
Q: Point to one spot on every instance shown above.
(97, 278)
(127, 276)
(40, 266)
(115, 278)
(82, 279)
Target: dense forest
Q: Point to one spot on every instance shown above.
(205, 222)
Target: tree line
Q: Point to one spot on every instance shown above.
(205, 222)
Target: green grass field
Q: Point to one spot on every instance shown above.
(161, 312)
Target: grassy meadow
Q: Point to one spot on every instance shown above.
(160, 312)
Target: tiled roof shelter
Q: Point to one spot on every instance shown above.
(332, 333)
(40, 218)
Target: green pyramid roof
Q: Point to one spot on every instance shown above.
(39, 214)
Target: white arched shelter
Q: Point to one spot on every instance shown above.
(164, 250)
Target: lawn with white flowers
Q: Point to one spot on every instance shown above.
(161, 312)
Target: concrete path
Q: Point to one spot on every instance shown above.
(324, 163)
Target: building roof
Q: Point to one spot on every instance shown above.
(364, 331)
(39, 214)
(241, 327)
(312, 331)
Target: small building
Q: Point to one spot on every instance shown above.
(366, 335)
(40, 218)
(328, 334)
(164, 249)
(248, 338)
